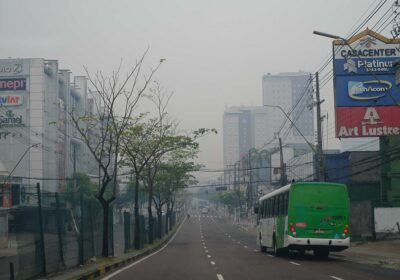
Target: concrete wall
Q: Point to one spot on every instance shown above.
(361, 219)
(387, 220)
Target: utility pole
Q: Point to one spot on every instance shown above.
(282, 165)
(250, 184)
(235, 191)
(320, 156)
(238, 191)
(74, 167)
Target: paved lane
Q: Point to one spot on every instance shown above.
(183, 258)
(308, 266)
(211, 247)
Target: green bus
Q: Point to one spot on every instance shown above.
(304, 216)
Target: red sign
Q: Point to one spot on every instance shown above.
(367, 121)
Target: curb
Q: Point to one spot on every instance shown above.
(109, 267)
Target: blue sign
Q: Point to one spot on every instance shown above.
(366, 90)
(364, 71)
(364, 66)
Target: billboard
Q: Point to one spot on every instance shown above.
(366, 95)
(12, 84)
(368, 121)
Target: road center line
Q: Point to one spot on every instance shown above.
(220, 277)
(336, 278)
(295, 263)
(213, 263)
(208, 256)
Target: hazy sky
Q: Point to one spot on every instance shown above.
(216, 51)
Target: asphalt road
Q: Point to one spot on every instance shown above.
(210, 247)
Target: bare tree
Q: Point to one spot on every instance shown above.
(115, 98)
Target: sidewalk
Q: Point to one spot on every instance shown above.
(381, 253)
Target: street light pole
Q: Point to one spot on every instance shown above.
(15, 167)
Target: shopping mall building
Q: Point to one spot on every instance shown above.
(37, 142)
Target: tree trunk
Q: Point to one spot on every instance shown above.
(151, 219)
(151, 224)
(170, 214)
(137, 223)
(105, 206)
(159, 217)
(167, 218)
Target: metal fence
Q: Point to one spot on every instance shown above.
(54, 232)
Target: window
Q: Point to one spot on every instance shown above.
(272, 208)
(285, 203)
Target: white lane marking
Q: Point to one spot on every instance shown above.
(220, 277)
(206, 251)
(295, 263)
(238, 242)
(255, 250)
(337, 278)
(208, 256)
(213, 263)
(245, 246)
(145, 258)
(270, 255)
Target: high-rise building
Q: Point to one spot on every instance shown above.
(244, 128)
(289, 90)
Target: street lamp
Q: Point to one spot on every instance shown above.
(323, 34)
(293, 124)
(16, 165)
(19, 161)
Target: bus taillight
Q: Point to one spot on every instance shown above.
(346, 230)
(292, 229)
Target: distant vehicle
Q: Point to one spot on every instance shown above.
(304, 216)
(204, 210)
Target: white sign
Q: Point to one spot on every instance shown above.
(11, 67)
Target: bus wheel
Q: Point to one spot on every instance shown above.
(321, 253)
(262, 248)
(275, 247)
(301, 251)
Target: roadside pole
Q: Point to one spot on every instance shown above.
(320, 155)
(41, 230)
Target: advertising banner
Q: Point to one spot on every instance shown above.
(12, 84)
(367, 121)
(364, 83)
(365, 90)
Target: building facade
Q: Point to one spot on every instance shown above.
(37, 139)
